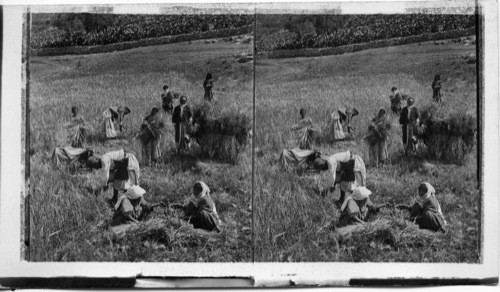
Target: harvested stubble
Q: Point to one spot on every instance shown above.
(222, 138)
(395, 232)
(449, 139)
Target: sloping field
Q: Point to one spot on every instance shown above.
(69, 223)
(291, 219)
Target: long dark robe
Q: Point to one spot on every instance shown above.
(202, 215)
(426, 215)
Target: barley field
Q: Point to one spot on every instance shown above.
(291, 219)
(71, 223)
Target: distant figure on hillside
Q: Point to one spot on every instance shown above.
(208, 84)
(346, 169)
(152, 136)
(305, 130)
(426, 213)
(117, 167)
(111, 115)
(436, 89)
(77, 129)
(378, 131)
(131, 207)
(201, 211)
(357, 208)
(396, 100)
(404, 120)
(182, 118)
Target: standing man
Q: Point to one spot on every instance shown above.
(404, 119)
(181, 119)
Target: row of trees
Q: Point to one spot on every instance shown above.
(87, 29)
(319, 31)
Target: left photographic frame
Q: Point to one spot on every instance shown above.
(137, 138)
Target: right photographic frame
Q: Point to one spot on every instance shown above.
(368, 131)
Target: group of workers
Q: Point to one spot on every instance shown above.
(348, 170)
(122, 170)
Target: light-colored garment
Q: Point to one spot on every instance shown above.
(108, 167)
(378, 152)
(67, 155)
(431, 192)
(359, 169)
(109, 126)
(132, 193)
(294, 157)
(336, 126)
(358, 194)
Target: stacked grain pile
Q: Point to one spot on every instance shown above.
(222, 138)
(450, 138)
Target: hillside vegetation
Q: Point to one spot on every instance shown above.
(288, 32)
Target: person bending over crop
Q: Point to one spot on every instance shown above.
(426, 213)
(208, 85)
(131, 207)
(111, 115)
(181, 119)
(200, 210)
(345, 168)
(118, 167)
(357, 207)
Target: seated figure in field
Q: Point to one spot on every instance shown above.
(131, 207)
(346, 169)
(357, 207)
(426, 213)
(112, 115)
(200, 210)
(117, 167)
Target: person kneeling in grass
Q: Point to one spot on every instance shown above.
(201, 211)
(131, 207)
(357, 207)
(426, 213)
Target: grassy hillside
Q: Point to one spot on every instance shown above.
(68, 222)
(291, 219)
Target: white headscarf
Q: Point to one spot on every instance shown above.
(431, 192)
(358, 194)
(195, 198)
(132, 193)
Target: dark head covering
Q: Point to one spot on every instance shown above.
(165, 87)
(302, 112)
(94, 162)
(183, 99)
(394, 89)
(320, 163)
(209, 76)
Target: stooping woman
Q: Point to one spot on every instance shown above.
(378, 131)
(346, 169)
(112, 115)
(426, 213)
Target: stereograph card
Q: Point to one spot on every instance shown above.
(250, 144)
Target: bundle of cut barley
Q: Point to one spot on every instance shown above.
(222, 138)
(307, 133)
(77, 135)
(450, 138)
